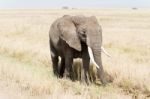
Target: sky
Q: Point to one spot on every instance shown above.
(10, 4)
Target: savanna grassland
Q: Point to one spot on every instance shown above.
(25, 63)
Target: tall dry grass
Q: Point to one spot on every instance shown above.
(25, 66)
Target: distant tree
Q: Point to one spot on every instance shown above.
(134, 8)
(65, 7)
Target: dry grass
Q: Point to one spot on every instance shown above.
(25, 66)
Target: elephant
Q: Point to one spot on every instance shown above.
(76, 37)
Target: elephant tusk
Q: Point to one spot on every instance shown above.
(92, 57)
(105, 52)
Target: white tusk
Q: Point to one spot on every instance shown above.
(105, 52)
(92, 57)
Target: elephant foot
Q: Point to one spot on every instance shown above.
(88, 81)
(85, 78)
(55, 73)
(69, 75)
(66, 74)
(85, 82)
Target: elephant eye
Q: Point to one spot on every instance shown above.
(83, 32)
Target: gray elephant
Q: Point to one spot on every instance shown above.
(76, 37)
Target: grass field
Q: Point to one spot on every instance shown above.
(25, 63)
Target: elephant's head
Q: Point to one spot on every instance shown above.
(85, 29)
(88, 29)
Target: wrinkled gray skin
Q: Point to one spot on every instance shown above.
(70, 37)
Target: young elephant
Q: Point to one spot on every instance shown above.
(76, 37)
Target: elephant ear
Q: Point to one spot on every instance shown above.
(68, 33)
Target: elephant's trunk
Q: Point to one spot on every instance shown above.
(95, 56)
(94, 42)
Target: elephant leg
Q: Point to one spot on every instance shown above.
(62, 67)
(85, 75)
(79, 73)
(68, 65)
(55, 64)
(54, 58)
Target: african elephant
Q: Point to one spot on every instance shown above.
(76, 37)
